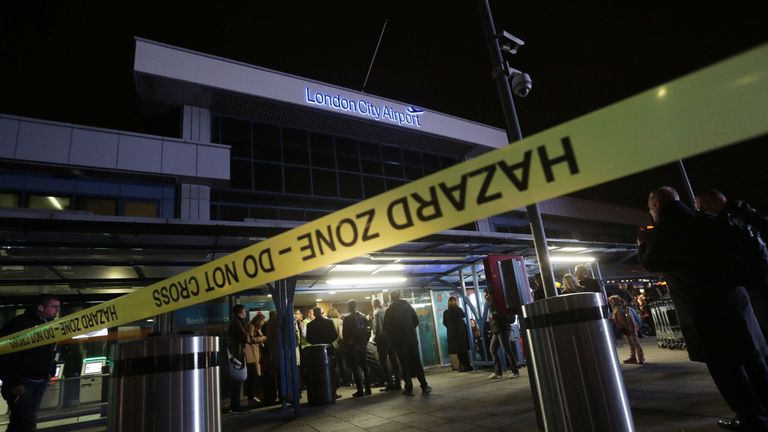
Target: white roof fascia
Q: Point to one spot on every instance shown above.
(205, 70)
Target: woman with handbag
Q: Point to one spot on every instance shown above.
(253, 354)
(238, 338)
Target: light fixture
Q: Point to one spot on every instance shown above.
(355, 268)
(331, 292)
(102, 332)
(553, 247)
(384, 290)
(318, 300)
(386, 257)
(269, 295)
(366, 281)
(572, 249)
(55, 203)
(571, 259)
(390, 267)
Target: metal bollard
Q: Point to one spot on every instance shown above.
(578, 376)
(166, 383)
(321, 389)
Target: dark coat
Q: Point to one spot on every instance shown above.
(35, 363)
(400, 324)
(715, 314)
(238, 337)
(498, 322)
(453, 320)
(321, 331)
(745, 213)
(356, 331)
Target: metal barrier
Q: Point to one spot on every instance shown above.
(668, 333)
(166, 383)
(577, 374)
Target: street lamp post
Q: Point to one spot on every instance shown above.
(522, 85)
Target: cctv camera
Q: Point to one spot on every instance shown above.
(521, 84)
(509, 43)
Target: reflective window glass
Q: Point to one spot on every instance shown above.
(97, 206)
(267, 177)
(140, 208)
(9, 200)
(48, 202)
(295, 147)
(373, 186)
(237, 134)
(266, 143)
(324, 182)
(240, 176)
(297, 180)
(350, 186)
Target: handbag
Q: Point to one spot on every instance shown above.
(236, 368)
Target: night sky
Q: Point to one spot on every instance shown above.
(72, 61)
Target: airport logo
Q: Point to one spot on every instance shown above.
(409, 117)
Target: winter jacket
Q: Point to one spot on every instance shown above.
(400, 323)
(34, 363)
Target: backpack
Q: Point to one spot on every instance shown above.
(635, 317)
(746, 256)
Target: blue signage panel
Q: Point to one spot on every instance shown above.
(203, 314)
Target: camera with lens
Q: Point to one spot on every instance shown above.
(521, 83)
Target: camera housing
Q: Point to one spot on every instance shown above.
(509, 43)
(521, 83)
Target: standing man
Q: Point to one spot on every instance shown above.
(305, 322)
(357, 332)
(713, 201)
(322, 330)
(715, 314)
(238, 338)
(384, 348)
(589, 284)
(754, 265)
(400, 323)
(25, 374)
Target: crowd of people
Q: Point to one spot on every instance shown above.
(392, 330)
(713, 258)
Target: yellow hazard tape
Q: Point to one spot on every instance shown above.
(716, 106)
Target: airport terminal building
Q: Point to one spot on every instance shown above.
(90, 213)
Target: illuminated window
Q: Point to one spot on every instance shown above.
(9, 200)
(48, 202)
(140, 209)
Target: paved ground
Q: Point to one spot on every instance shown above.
(669, 393)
